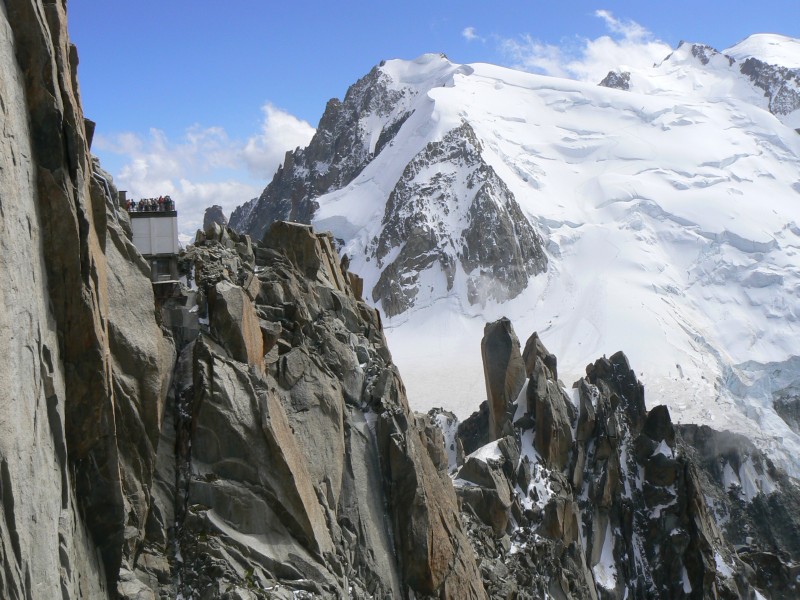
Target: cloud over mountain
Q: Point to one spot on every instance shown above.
(628, 43)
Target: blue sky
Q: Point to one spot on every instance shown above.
(201, 99)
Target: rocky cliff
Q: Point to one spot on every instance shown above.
(299, 465)
(86, 367)
(343, 145)
(450, 208)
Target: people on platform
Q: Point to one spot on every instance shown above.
(160, 204)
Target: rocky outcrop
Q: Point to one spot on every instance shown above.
(781, 85)
(594, 496)
(620, 80)
(304, 469)
(504, 373)
(214, 216)
(754, 503)
(234, 321)
(705, 53)
(484, 484)
(553, 415)
(492, 242)
(473, 432)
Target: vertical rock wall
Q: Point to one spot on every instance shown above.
(44, 546)
(81, 381)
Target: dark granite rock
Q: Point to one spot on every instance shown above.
(214, 216)
(504, 374)
(620, 80)
(474, 431)
(497, 248)
(630, 507)
(781, 85)
(85, 375)
(311, 449)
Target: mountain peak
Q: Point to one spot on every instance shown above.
(657, 220)
(771, 48)
(692, 53)
(424, 72)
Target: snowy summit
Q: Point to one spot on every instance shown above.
(657, 213)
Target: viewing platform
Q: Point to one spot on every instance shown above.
(155, 235)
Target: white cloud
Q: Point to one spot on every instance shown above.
(471, 35)
(204, 166)
(280, 131)
(630, 45)
(532, 55)
(630, 30)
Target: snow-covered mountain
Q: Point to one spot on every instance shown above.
(657, 213)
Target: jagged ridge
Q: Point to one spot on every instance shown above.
(587, 494)
(342, 146)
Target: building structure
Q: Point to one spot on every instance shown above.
(155, 235)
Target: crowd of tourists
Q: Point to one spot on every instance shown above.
(160, 204)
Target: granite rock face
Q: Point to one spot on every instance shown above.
(755, 505)
(504, 373)
(492, 241)
(86, 364)
(781, 85)
(212, 216)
